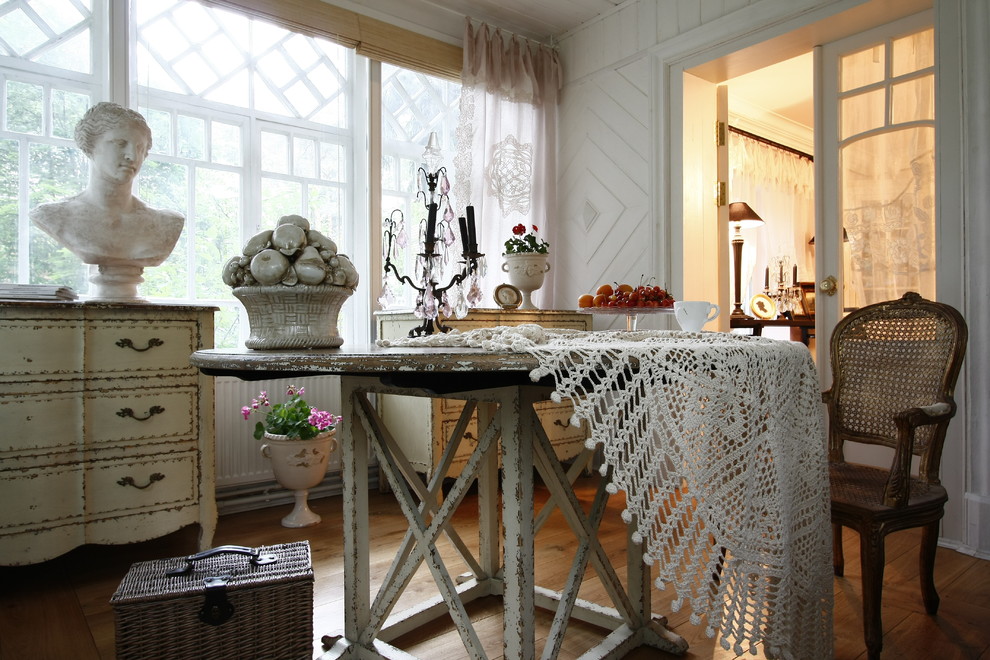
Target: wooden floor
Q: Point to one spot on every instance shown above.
(60, 609)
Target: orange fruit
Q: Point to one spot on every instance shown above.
(605, 290)
(600, 300)
(587, 300)
(625, 287)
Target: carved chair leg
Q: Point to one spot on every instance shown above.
(926, 566)
(838, 561)
(872, 558)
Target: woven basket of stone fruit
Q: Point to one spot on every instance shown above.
(292, 282)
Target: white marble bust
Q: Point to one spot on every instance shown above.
(106, 225)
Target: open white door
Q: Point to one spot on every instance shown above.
(705, 223)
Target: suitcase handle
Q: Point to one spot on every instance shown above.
(257, 558)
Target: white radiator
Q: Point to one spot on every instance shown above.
(239, 459)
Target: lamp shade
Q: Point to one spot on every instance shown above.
(742, 215)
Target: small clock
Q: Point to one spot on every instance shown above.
(508, 296)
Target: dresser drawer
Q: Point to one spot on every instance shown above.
(40, 497)
(135, 347)
(146, 482)
(37, 421)
(142, 414)
(40, 347)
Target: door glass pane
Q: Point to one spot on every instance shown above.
(913, 52)
(861, 68)
(888, 202)
(862, 112)
(913, 100)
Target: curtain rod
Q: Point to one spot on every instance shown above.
(771, 143)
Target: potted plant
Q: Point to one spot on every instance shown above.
(526, 255)
(298, 441)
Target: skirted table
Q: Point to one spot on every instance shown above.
(717, 441)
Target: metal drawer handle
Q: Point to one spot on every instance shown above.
(127, 343)
(129, 481)
(152, 411)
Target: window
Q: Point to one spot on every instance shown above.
(250, 121)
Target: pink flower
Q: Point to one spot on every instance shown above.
(322, 419)
(246, 412)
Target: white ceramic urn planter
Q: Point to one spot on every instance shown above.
(298, 466)
(526, 272)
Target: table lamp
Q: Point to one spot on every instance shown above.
(740, 215)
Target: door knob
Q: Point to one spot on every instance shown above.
(828, 285)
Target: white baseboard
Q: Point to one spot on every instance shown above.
(264, 494)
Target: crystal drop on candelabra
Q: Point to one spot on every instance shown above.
(445, 308)
(429, 303)
(461, 308)
(387, 297)
(402, 239)
(444, 185)
(448, 235)
(482, 269)
(474, 293)
(418, 311)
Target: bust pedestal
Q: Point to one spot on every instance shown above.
(115, 281)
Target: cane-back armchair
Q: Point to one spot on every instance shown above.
(894, 370)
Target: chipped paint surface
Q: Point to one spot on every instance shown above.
(499, 384)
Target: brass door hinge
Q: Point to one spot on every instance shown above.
(721, 193)
(720, 134)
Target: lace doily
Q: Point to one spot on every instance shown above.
(718, 442)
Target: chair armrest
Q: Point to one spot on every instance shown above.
(898, 486)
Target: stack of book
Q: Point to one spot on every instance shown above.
(36, 292)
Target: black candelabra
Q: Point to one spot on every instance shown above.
(432, 299)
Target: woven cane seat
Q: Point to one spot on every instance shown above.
(862, 486)
(894, 369)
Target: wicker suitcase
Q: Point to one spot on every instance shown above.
(228, 602)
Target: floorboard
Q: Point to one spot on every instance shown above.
(60, 608)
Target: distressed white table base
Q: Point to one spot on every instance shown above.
(505, 414)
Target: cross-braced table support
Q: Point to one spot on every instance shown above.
(507, 420)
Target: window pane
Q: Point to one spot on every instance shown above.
(913, 100)
(161, 130)
(304, 157)
(218, 195)
(67, 109)
(280, 198)
(192, 137)
(24, 107)
(861, 68)
(226, 146)
(9, 177)
(913, 52)
(862, 112)
(274, 152)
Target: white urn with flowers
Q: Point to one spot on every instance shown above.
(299, 439)
(526, 261)
(292, 282)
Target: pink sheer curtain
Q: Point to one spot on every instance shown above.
(505, 165)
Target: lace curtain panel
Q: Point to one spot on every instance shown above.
(506, 142)
(780, 186)
(718, 442)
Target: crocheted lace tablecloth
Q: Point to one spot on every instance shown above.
(718, 442)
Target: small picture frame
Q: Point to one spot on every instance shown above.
(508, 296)
(763, 307)
(807, 298)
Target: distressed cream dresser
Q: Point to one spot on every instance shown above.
(413, 418)
(106, 431)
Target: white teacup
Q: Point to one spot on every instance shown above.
(692, 315)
